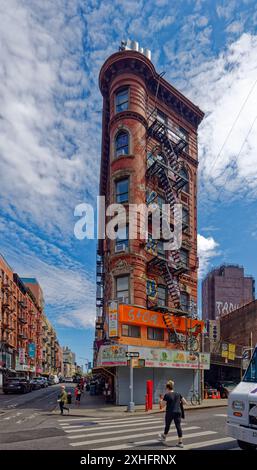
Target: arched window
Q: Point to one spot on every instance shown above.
(184, 173)
(121, 100)
(122, 143)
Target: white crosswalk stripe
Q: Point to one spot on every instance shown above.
(157, 429)
(134, 432)
(71, 429)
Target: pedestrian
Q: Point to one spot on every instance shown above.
(174, 411)
(63, 400)
(81, 383)
(77, 395)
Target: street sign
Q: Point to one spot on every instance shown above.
(132, 354)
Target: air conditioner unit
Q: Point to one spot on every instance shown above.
(123, 300)
(119, 247)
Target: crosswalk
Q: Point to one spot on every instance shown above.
(136, 432)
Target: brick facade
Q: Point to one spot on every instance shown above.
(237, 326)
(136, 73)
(225, 289)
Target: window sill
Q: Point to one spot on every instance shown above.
(120, 157)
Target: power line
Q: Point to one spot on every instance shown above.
(233, 125)
(234, 160)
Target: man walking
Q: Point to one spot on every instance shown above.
(174, 411)
(63, 400)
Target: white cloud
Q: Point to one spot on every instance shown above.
(220, 87)
(207, 249)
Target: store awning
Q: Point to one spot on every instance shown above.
(102, 370)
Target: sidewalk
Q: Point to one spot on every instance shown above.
(94, 406)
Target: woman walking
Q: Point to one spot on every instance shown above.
(174, 411)
(77, 395)
(63, 400)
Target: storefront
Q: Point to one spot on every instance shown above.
(156, 364)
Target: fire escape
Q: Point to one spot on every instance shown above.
(99, 285)
(163, 164)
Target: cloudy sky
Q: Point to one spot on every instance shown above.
(50, 121)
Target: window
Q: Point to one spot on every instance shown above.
(160, 201)
(161, 117)
(183, 134)
(122, 235)
(162, 296)
(185, 216)
(184, 256)
(122, 144)
(122, 288)
(121, 100)
(183, 172)
(122, 188)
(160, 249)
(184, 301)
(131, 330)
(155, 334)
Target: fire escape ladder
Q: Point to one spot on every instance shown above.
(99, 284)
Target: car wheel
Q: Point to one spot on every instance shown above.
(246, 445)
(6, 393)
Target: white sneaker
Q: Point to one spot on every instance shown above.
(180, 444)
(161, 437)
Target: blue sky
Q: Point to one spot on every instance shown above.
(50, 133)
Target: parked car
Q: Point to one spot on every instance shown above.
(225, 388)
(17, 385)
(42, 381)
(68, 379)
(50, 380)
(35, 384)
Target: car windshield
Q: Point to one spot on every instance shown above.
(251, 372)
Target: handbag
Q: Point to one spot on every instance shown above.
(182, 408)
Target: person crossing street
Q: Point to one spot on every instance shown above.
(63, 400)
(174, 411)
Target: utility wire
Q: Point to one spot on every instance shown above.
(232, 127)
(234, 160)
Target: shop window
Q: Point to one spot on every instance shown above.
(132, 331)
(155, 334)
(122, 143)
(122, 190)
(122, 100)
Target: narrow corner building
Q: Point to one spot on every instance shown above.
(146, 295)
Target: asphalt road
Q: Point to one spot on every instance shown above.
(27, 422)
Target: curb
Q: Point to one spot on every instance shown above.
(137, 413)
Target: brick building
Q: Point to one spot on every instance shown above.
(146, 296)
(240, 327)
(225, 289)
(22, 344)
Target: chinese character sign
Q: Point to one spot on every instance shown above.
(113, 319)
(31, 350)
(21, 355)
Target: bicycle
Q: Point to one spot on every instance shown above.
(195, 398)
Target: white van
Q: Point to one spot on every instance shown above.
(242, 408)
